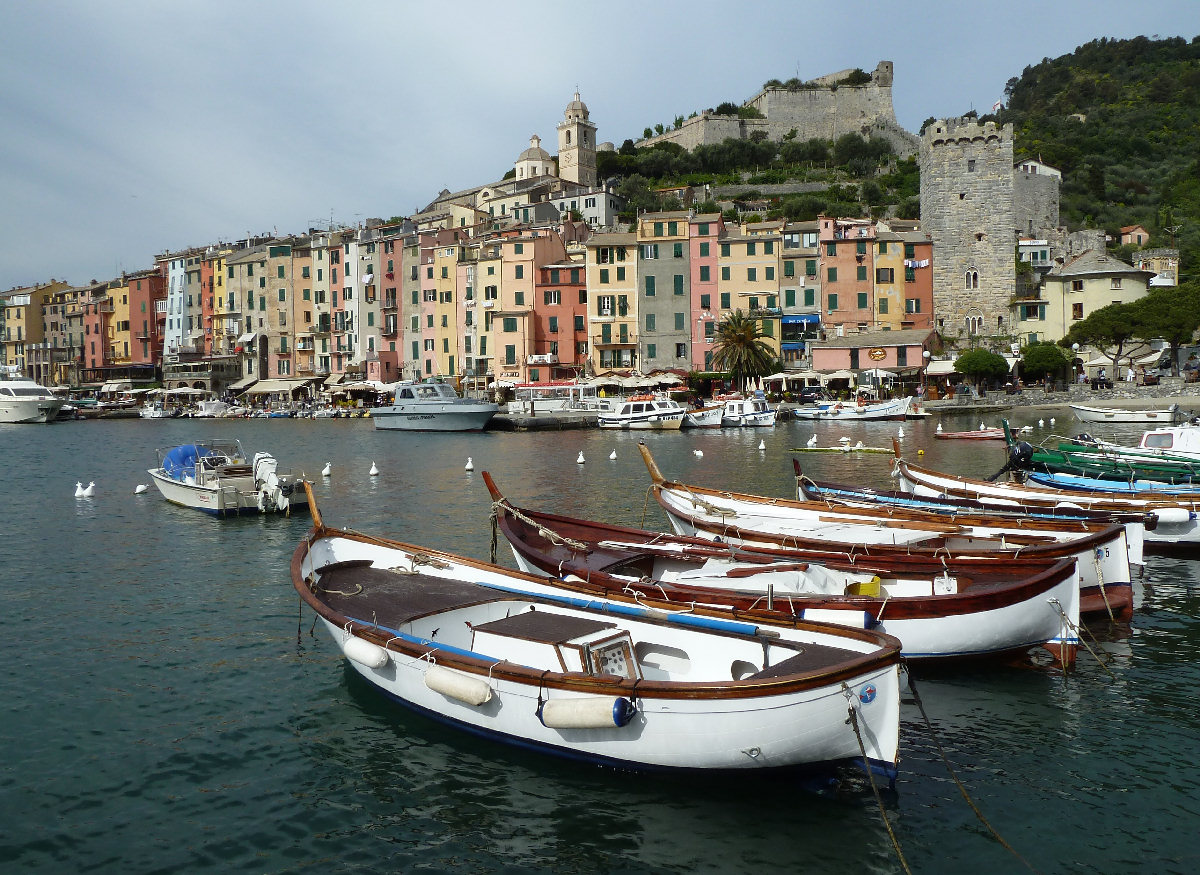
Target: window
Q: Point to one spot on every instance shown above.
(1116, 283)
(445, 321)
(752, 303)
(651, 350)
(750, 248)
(831, 249)
(831, 274)
(970, 165)
(862, 300)
(789, 268)
(810, 267)
(489, 293)
(519, 271)
(620, 274)
(789, 297)
(710, 329)
(445, 344)
(768, 247)
(510, 324)
(769, 274)
(651, 322)
(833, 302)
(768, 327)
(725, 273)
(860, 272)
(861, 247)
(706, 302)
(603, 275)
(705, 276)
(677, 250)
(658, 229)
(885, 274)
(282, 295)
(552, 296)
(519, 299)
(649, 251)
(704, 249)
(810, 297)
(553, 326)
(678, 283)
(883, 305)
(910, 275)
(724, 300)
(510, 354)
(972, 280)
(575, 275)
(724, 250)
(518, 248)
(672, 229)
(649, 287)
(912, 305)
(751, 274)
(1077, 311)
(681, 350)
(680, 322)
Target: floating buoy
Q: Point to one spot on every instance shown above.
(327, 470)
(581, 459)
(920, 452)
(762, 445)
(78, 489)
(374, 472)
(89, 491)
(470, 466)
(140, 488)
(613, 455)
(699, 454)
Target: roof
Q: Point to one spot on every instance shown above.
(1093, 263)
(615, 239)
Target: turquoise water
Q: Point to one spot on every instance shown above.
(164, 707)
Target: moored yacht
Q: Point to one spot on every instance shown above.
(23, 400)
(433, 407)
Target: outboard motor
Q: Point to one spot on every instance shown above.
(1020, 457)
(1084, 438)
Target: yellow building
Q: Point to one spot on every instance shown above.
(119, 334)
(889, 282)
(612, 283)
(748, 277)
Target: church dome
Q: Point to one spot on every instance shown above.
(576, 109)
(535, 152)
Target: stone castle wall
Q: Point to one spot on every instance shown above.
(968, 208)
(1036, 202)
(823, 111)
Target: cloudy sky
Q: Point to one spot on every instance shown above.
(134, 127)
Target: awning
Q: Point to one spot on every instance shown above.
(940, 368)
(244, 383)
(802, 319)
(268, 387)
(248, 337)
(116, 386)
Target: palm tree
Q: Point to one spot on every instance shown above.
(740, 350)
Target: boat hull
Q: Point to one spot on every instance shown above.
(32, 410)
(1115, 414)
(434, 417)
(887, 410)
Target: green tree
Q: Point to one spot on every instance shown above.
(980, 365)
(740, 350)
(1170, 313)
(1115, 330)
(1042, 359)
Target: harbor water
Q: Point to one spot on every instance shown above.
(166, 705)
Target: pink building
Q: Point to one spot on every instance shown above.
(703, 233)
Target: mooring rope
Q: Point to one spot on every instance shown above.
(912, 685)
(852, 719)
(1078, 630)
(549, 534)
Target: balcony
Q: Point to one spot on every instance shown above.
(543, 359)
(600, 341)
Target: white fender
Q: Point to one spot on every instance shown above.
(456, 685)
(1173, 515)
(591, 712)
(364, 652)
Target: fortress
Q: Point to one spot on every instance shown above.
(823, 108)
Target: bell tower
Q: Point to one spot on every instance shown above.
(577, 145)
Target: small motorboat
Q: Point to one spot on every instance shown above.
(644, 412)
(614, 681)
(218, 478)
(742, 411)
(1160, 416)
(704, 417)
(979, 434)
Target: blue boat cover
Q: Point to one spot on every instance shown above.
(180, 462)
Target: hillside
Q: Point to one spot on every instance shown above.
(1121, 119)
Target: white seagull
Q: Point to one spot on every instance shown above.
(900, 432)
(699, 454)
(327, 470)
(581, 459)
(613, 455)
(1052, 420)
(812, 441)
(90, 491)
(939, 428)
(374, 472)
(762, 445)
(140, 488)
(470, 466)
(1041, 423)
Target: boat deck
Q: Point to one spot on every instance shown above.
(358, 589)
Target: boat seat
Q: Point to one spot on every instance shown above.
(546, 627)
(812, 657)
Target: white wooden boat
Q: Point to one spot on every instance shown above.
(895, 409)
(938, 609)
(1102, 549)
(610, 681)
(1122, 415)
(644, 412)
(753, 411)
(432, 407)
(704, 417)
(23, 400)
(217, 477)
(1176, 518)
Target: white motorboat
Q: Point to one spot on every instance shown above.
(218, 478)
(432, 407)
(23, 400)
(614, 681)
(1122, 415)
(895, 409)
(704, 417)
(643, 412)
(752, 411)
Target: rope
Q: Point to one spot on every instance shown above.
(852, 719)
(1103, 590)
(912, 685)
(549, 534)
(707, 506)
(1074, 627)
(645, 504)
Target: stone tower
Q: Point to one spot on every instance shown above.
(967, 207)
(577, 145)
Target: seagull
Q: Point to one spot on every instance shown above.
(762, 445)
(78, 489)
(613, 455)
(140, 488)
(939, 428)
(1026, 428)
(859, 445)
(982, 427)
(327, 470)
(699, 454)
(374, 472)
(1052, 420)
(843, 439)
(1041, 423)
(90, 491)
(812, 441)
(900, 432)
(470, 466)
(581, 459)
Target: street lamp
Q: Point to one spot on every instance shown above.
(924, 368)
(1075, 358)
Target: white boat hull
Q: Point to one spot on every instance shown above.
(434, 417)
(704, 417)
(889, 410)
(804, 728)
(29, 410)
(1118, 415)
